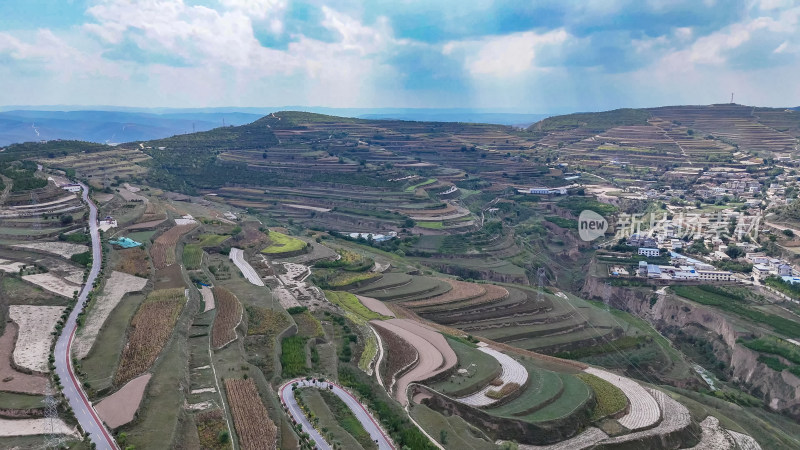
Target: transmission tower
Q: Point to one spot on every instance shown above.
(52, 439)
(37, 225)
(541, 275)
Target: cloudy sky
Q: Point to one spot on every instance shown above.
(534, 56)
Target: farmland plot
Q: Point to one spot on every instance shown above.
(163, 249)
(255, 429)
(12, 380)
(53, 283)
(151, 328)
(461, 290)
(133, 261)
(399, 356)
(208, 298)
(435, 354)
(63, 249)
(33, 427)
(10, 266)
(116, 287)
(229, 315)
(36, 323)
(120, 407)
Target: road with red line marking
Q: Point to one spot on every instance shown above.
(73, 391)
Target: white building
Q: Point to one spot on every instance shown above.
(714, 275)
(648, 252)
(71, 187)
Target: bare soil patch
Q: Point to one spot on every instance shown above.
(63, 249)
(33, 427)
(120, 407)
(36, 323)
(169, 278)
(53, 283)
(208, 298)
(10, 266)
(375, 305)
(117, 285)
(12, 380)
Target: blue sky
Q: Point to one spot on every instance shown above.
(536, 56)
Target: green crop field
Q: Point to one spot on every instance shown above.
(211, 240)
(575, 395)
(610, 399)
(281, 243)
(418, 185)
(481, 369)
(358, 313)
(543, 386)
(192, 256)
(431, 225)
(293, 356)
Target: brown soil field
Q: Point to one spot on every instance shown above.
(375, 305)
(12, 380)
(398, 355)
(493, 293)
(169, 277)
(163, 249)
(229, 314)
(150, 330)
(435, 354)
(146, 225)
(133, 261)
(255, 429)
(461, 290)
(120, 407)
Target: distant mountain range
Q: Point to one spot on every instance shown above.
(116, 125)
(108, 126)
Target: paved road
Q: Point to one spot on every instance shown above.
(363, 416)
(84, 412)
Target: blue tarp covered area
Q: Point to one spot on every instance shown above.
(125, 242)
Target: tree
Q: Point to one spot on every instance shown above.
(788, 233)
(66, 219)
(734, 252)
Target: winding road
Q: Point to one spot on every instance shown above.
(73, 391)
(361, 413)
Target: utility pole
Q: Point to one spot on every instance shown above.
(541, 275)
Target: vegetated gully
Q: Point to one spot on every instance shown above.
(84, 412)
(367, 421)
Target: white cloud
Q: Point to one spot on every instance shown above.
(257, 9)
(711, 49)
(504, 56)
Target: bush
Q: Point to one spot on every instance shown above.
(83, 259)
